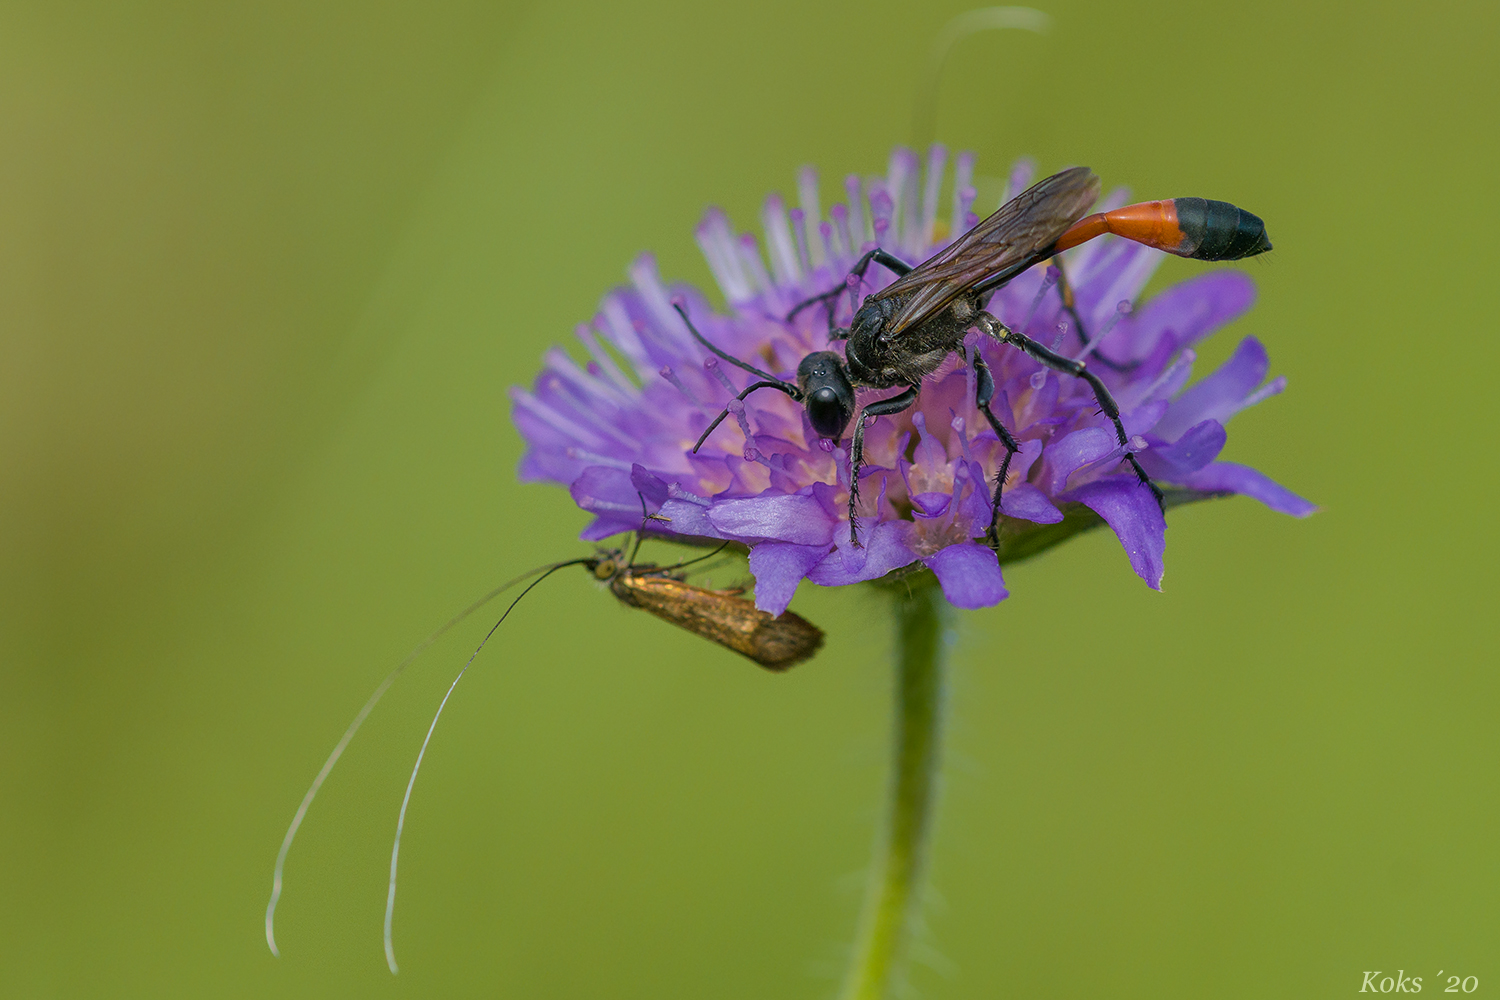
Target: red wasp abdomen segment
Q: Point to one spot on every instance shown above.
(1188, 227)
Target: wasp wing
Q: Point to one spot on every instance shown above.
(1009, 241)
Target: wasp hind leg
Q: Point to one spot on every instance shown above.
(984, 392)
(1070, 305)
(1107, 405)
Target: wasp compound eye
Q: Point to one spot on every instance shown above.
(827, 393)
(827, 413)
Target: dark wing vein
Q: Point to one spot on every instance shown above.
(1017, 234)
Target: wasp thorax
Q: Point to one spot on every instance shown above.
(827, 393)
(868, 354)
(872, 318)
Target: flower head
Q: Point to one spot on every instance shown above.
(622, 426)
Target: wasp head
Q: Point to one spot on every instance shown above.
(826, 393)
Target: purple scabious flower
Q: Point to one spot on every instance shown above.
(621, 426)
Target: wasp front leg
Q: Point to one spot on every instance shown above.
(880, 408)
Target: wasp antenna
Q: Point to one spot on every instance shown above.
(390, 897)
(786, 387)
(680, 306)
(359, 720)
(971, 22)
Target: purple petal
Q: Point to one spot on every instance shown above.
(649, 485)
(1120, 276)
(1162, 376)
(970, 509)
(969, 574)
(884, 550)
(1021, 464)
(1130, 509)
(1219, 395)
(1142, 419)
(930, 504)
(688, 518)
(601, 490)
(1247, 481)
(798, 518)
(778, 567)
(549, 455)
(1029, 504)
(1020, 176)
(540, 465)
(605, 526)
(1075, 451)
(1190, 311)
(1189, 453)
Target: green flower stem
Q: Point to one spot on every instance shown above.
(893, 896)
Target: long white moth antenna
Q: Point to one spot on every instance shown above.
(390, 897)
(338, 750)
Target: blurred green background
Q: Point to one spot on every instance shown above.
(266, 272)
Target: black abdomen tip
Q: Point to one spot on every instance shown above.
(1218, 230)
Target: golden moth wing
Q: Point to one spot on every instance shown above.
(731, 621)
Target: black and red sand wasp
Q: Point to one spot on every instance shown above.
(906, 331)
(725, 617)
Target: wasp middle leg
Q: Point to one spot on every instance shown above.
(829, 299)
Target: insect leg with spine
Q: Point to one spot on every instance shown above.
(984, 392)
(1070, 306)
(879, 408)
(994, 328)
